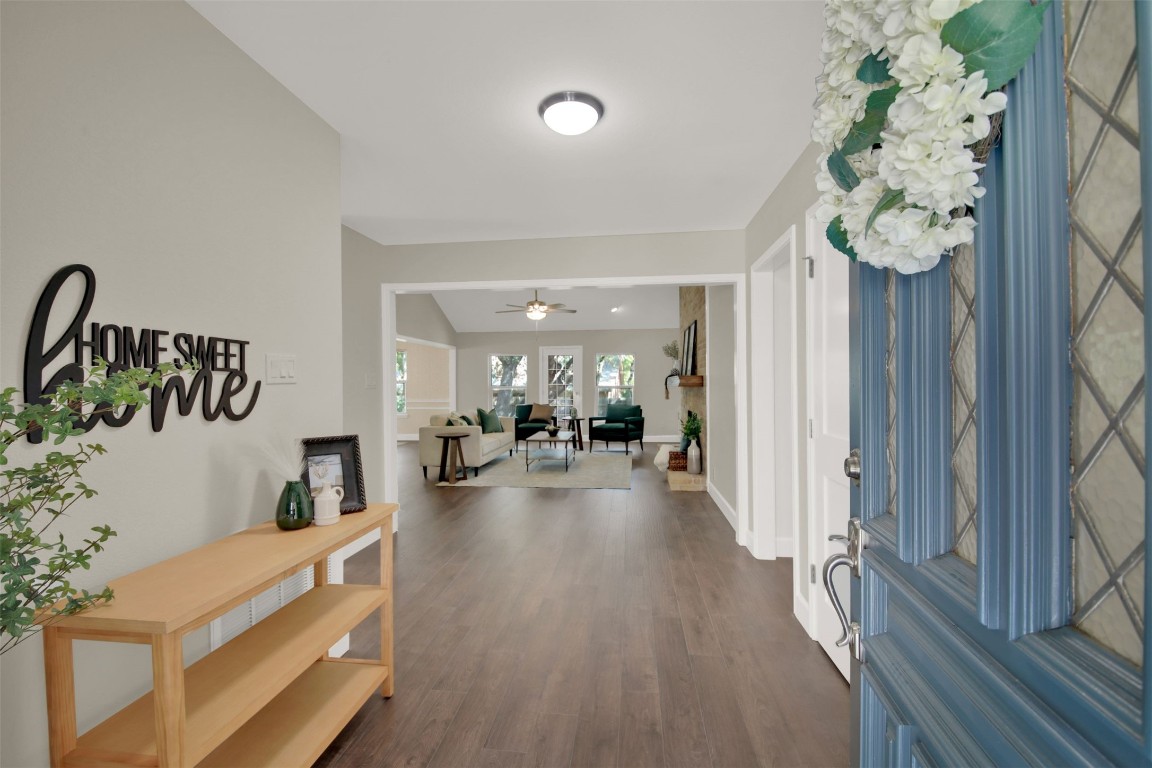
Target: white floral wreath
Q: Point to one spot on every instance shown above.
(903, 98)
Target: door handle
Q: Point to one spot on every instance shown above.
(830, 565)
(855, 541)
(853, 466)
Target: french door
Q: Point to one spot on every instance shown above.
(560, 372)
(998, 404)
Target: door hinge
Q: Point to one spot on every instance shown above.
(812, 572)
(811, 266)
(809, 427)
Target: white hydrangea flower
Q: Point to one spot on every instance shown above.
(938, 113)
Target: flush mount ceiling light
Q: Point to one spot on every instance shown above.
(571, 112)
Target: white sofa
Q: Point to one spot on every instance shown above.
(479, 448)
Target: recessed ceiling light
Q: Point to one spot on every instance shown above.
(571, 112)
(615, 309)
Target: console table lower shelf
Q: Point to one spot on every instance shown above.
(269, 697)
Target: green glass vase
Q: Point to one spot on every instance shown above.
(294, 510)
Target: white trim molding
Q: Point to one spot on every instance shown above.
(776, 265)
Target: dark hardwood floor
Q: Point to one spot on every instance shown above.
(592, 628)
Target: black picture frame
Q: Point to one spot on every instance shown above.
(343, 452)
(688, 351)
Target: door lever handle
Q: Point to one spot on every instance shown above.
(830, 565)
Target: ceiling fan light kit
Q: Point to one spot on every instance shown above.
(571, 113)
(536, 309)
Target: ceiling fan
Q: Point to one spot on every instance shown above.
(535, 309)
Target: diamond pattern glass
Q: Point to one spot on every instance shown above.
(963, 358)
(890, 384)
(1107, 326)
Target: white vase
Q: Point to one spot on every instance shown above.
(326, 505)
(693, 459)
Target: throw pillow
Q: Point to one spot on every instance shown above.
(489, 421)
(541, 412)
(460, 419)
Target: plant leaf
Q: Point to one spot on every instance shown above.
(839, 237)
(842, 172)
(866, 131)
(873, 71)
(882, 99)
(996, 37)
(888, 200)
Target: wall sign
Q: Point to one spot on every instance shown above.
(123, 346)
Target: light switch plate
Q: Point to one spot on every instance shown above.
(279, 369)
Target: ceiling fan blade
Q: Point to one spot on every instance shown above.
(569, 311)
(510, 311)
(519, 307)
(557, 306)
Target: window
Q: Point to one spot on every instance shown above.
(402, 381)
(508, 380)
(615, 379)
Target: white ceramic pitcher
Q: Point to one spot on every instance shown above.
(326, 505)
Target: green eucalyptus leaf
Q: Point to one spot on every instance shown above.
(873, 70)
(866, 132)
(996, 37)
(890, 199)
(842, 172)
(838, 236)
(879, 101)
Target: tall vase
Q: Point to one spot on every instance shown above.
(694, 458)
(294, 510)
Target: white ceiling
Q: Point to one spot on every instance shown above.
(707, 105)
(640, 307)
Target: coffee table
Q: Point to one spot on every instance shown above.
(564, 437)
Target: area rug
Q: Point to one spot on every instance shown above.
(588, 471)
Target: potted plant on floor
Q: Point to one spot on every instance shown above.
(690, 428)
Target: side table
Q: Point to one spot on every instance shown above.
(574, 425)
(449, 454)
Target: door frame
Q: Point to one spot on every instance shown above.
(451, 374)
(776, 266)
(388, 291)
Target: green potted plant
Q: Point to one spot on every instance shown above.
(691, 427)
(35, 566)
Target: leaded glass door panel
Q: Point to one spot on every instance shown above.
(999, 405)
(560, 372)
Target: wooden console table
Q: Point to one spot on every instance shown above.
(271, 696)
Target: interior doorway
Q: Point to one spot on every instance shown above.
(774, 402)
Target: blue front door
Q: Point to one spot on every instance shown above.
(999, 407)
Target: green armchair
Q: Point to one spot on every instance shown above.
(622, 423)
(526, 427)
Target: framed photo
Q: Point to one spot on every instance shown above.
(335, 460)
(688, 351)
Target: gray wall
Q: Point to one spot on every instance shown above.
(418, 316)
(660, 415)
(787, 205)
(138, 140)
(720, 387)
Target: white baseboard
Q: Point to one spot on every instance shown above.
(662, 439)
(728, 512)
(801, 611)
(407, 438)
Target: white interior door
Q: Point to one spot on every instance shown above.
(560, 377)
(828, 429)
